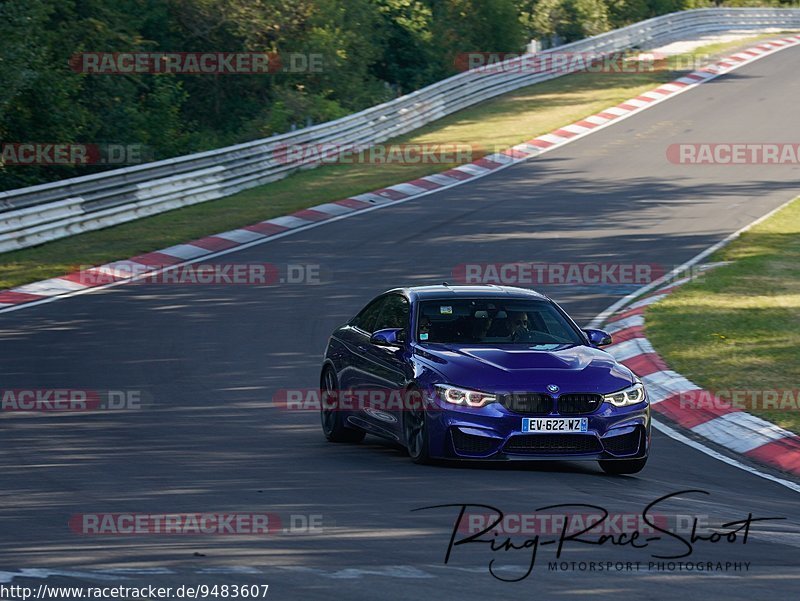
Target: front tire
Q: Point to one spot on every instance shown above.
(618, 467)
(415, 429)
(333, 425)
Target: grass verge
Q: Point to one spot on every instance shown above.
(495, 124)
(738, 327)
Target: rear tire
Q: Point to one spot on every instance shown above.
(333, 425)
(617, 467)
(415, 430)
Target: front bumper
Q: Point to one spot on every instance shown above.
(494, 433)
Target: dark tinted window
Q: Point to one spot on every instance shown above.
(494, 322)
(365, 320)
(394, 313)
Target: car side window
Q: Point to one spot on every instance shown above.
(366, 319)
(551, 324)
(394, 313)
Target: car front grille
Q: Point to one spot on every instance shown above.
(537, 403)
(554, 444)
(579, 404)
(625, 444)
(468, 443)
(529, 403)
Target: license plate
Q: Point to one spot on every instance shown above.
(555, 424)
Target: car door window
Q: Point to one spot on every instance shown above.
(394, 313)
(366, 319)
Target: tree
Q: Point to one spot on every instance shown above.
(570, 20)
(625, 12)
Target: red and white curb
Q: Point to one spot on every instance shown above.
(120, 271)
(681, 401)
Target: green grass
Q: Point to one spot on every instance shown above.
(492, 125)
(738, 327)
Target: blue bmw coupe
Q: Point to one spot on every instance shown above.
(482, 373)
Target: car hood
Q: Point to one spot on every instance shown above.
(522, 368)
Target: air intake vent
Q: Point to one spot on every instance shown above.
(553, 444)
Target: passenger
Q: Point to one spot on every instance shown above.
(480, 328)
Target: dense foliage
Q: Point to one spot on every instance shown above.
(372, 50)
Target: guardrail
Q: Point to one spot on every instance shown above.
(55, 210)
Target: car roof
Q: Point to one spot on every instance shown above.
(442, 291)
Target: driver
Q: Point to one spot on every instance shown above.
(519, 324)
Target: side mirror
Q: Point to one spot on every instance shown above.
(387, 337)
(598, 337)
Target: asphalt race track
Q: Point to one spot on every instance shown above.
(210, 360)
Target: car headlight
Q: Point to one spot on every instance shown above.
(463, 396)
(628, 396)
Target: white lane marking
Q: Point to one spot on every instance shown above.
(240, 236)
(184, 251)
(647, 301)
(442, 180)
(663, 384)
(675, 435)
(596, 119)
(332, 208)
(499, 157)
(679, 282)
(409, 189)
(630, 348)
(49, 287)
(122, 269)
(740, 431)
(553, 138)
(622, 324)
(384, 202)
(576, 129)
(372, 198)
(527, 148)
(290, 221)
(474, 169)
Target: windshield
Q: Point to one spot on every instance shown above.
(493, 322)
